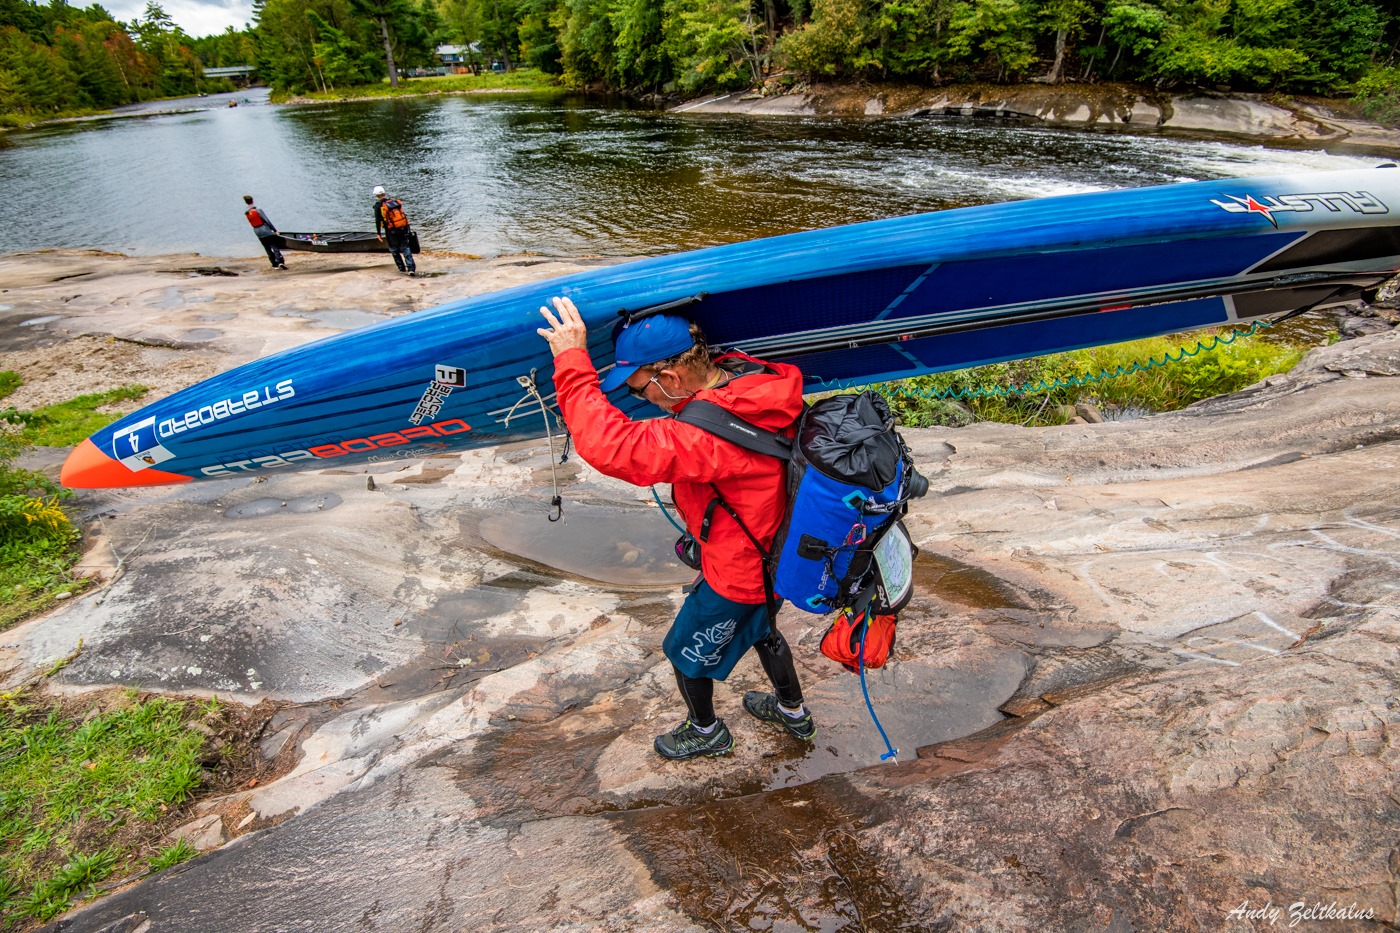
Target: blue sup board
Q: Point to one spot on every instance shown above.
(849, 305)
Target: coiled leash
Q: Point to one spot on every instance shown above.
(556, 502)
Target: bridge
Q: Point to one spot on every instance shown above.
(239, 74)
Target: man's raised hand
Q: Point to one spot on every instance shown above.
(565, 332)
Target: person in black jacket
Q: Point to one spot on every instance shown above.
(267, 233)
(391, 223)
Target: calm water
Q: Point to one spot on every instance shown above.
(556, 175)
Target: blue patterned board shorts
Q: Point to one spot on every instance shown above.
(712, 633)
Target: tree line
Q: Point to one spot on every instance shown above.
(690, 46)
(57, 54)
(58, 58)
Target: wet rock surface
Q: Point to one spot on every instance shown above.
(1148, 676)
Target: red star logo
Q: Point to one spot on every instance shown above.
(1254, 207)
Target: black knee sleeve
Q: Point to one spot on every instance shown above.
(699, 696)
(776, 658)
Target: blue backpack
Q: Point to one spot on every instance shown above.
(850, 478)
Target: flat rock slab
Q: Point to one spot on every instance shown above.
(1148, 676)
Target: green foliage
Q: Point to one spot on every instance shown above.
(1339, 38)
(9, 382)
(69, 423)
(831, 42)
(37, 541)
(1241, 43)
(539, 36)
(638, 49)
(68, 784)
(341, 60)
(997, 32)
(323, 45)
(712, 43)
(588, 43)
(180, 851)
(1227, 368)
(695, 46)
(60, 59)
(1378, 93)
(225, 49)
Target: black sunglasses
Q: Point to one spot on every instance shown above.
(642, 392)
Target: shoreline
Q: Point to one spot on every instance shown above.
(1311, 122)
(456, 92)
(1120, 107)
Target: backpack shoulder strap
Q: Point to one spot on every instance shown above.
(718, 421)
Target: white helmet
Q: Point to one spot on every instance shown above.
(379, 191)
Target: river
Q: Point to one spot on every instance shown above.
(554, 174)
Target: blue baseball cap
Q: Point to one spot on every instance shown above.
(650, 340)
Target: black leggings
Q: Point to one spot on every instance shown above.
(274, 255)
(776, 658)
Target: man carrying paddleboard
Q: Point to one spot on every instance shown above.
(664, 359)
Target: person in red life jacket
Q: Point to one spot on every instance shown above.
(391, 223)
(664, 359)
(267, 233)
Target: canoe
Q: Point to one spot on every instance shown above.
(348, 242)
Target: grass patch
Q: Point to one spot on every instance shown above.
(36, 574)
(38, 543)
(524, 79)
(72, 786)
(1227, 368)
(72, 422)
(90, 786)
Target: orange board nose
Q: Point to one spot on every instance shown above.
(87, 467)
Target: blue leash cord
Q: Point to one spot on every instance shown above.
(665, 511)
(892, 752)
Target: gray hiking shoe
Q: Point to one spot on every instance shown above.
(764, 706)
(686, 741)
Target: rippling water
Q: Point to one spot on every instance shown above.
(559, 175)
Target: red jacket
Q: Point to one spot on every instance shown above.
(691, 459)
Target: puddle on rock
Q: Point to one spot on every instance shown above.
(260, 507)
(784, 860)
(203, 333)
(962, 583)
(462, 642)
(534, 772)
(619, 546)
(46, 319)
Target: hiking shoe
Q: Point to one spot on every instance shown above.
(764, 706)
(686, 741)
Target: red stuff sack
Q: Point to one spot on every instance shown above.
(841, 642)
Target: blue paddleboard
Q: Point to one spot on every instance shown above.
(849, 305)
